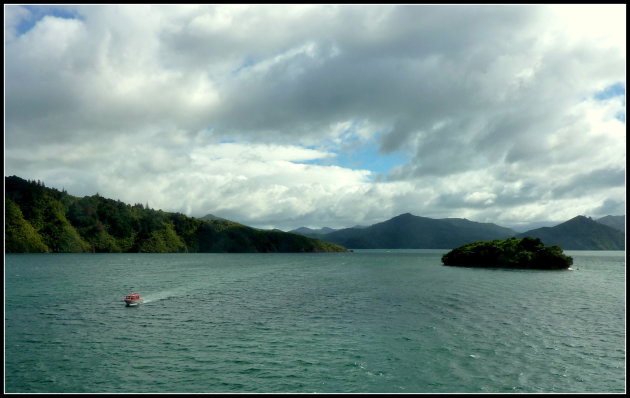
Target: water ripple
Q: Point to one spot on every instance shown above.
(354, 323)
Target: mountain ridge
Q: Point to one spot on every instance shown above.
(617, 222)
(212, 217)
(580, 233)
(310, 231)
(40, 220)
(407, 231)
(435, 234)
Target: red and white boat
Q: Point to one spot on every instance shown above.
(133, 299)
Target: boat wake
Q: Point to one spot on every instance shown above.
(180, 291)
(164, 295)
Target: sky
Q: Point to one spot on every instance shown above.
(282, 116)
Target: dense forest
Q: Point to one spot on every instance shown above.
(39, 219)
(509, 253)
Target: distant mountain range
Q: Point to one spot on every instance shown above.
(580, 233)
(212, 217)
(408, 231)
(41, 219)
(312, 232)
(617, 222)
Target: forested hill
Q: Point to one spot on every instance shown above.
(40, 219)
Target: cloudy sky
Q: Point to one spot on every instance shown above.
(322, 115)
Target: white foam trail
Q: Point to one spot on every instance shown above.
(163, 295)
(166, 294)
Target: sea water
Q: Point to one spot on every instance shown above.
(364, 322)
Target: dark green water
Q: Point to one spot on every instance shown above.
(368, 321)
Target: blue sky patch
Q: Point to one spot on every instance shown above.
(369, 157)
(363, 155)
(39, 12)
(614, 90)
(621, 116)
(248, 62)
(611, 91)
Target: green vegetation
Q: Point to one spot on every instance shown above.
(20, 236)
(509, 253)
(40, 219)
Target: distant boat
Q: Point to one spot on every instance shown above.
(133, 299)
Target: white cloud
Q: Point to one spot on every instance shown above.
(243, 111)
(604, 24)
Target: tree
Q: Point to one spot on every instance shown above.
(20, 236)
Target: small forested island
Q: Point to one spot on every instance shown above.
(39, 219)
(528, 253)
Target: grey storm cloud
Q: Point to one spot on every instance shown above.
(592, 180)
(406, 70)
(491, 105)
